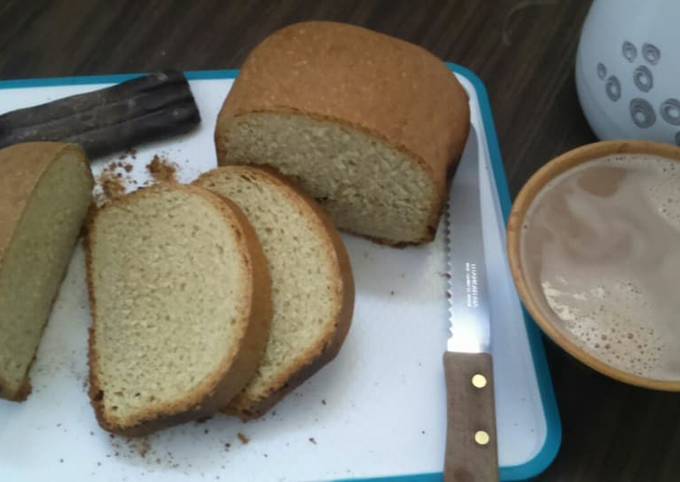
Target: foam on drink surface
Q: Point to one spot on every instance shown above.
(601, 246)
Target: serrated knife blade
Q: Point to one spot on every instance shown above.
(471, 446)
(470, 325)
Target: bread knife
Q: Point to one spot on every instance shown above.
(471, 446)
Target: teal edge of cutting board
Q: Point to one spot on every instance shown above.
(553, 439)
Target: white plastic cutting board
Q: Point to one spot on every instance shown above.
(377, 410)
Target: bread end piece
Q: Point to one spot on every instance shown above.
(323, 81)
(45, 191)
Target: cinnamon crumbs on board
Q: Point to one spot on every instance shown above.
(115, 178)
(162, 169)
(112, 185)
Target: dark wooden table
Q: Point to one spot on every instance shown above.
(524, 52)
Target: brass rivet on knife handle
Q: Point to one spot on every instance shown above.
(482, 437)
(471, 442)
(478, 381)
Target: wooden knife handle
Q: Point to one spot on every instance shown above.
(471, 447)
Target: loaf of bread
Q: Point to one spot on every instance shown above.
(181, 303)
(369, 125)
(45, 192)
(312, 285)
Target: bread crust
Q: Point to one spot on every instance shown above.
(235, 371)
(333, 339)
(385, 87)
(17, 183)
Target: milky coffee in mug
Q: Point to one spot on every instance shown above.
(601, 249)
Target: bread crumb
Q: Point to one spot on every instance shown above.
(162, 169)
(112, 183)
(141, 445)
(243, 438)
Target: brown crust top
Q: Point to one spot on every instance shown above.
(386, 87)
(235, 371)
(395, 90)
(333, 339)
(21, 168)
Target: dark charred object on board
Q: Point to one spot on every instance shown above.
(143, 109)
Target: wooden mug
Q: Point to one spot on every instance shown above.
(520, 208)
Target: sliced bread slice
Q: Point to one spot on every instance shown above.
(312, 285)
(181, 304)
(45, 192)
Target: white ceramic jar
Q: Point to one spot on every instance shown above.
(628, 69)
